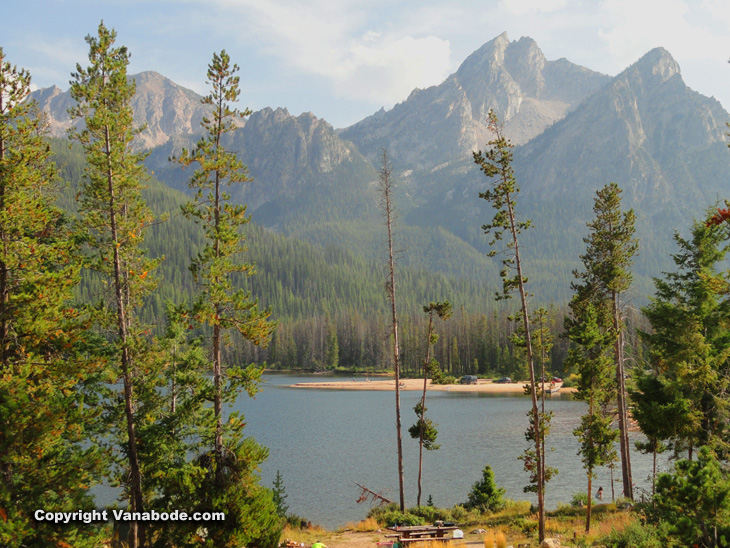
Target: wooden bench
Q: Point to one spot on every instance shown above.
(424, 539)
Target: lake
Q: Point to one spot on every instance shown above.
(323, 441)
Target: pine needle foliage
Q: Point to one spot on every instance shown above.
(43, 371)
(231, 481)
(496, 163)
(114, 217)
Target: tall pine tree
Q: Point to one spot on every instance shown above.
(496, 163)
(425, 430)
(386, 189)
(690, 343)
(607, 261)
(43, 370)
(222, 308)
(115, 217)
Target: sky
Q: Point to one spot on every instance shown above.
(345, 59)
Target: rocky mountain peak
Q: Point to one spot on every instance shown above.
(440, 123)
(657, 66)
(166, 109)
(42, 96)
(525, 63)
(489, 55)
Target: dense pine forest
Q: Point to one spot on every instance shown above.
(329, 302)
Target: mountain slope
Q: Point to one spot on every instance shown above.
(663, 144)
(448, 121)
(166, 108)
(644, 129)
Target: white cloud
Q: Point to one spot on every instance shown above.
(385, 71)
(364, 55)
(633, 27)
(523, 7)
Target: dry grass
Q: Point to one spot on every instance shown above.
(364, 526)
(306, 535)
(495, 539)
(609, 523)
(439, 544)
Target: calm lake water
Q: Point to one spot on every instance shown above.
(323, 441)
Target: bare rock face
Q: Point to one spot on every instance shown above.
(285, 154)
(448, 121)
(550, 543)
(288, 152)
(166, 108)
(55, 104)
(646, 130)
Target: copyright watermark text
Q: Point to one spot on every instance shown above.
(124, 515)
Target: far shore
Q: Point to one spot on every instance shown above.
(484, 386)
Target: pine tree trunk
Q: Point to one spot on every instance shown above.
(423, 405)
(590, 500)
(3, 269)
(621, 403)
(136, 530)
(396, 352)
(530, 363)
(217, 367)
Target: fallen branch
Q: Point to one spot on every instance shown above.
(372, 495)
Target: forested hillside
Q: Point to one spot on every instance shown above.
(329, 302)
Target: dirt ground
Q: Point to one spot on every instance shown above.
(483, 386)
(353, 539)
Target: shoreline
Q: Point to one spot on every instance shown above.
(482, 387)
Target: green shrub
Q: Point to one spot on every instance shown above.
(571, 381)
(390, 515)
(634, 535)
(694, 501)
(579, 499)
(431, 514)
(297, 522)
(459, 514)
(443, 378)
(485, 496)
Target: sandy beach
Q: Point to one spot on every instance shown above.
(484, 386)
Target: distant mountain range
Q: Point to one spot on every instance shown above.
(575, 131)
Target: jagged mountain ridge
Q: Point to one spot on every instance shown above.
(663, 143)
(448, 121)
(166, 109)
(645, 129)
(288, 156)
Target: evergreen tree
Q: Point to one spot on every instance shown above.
(656, 412)
(694, 501)
(332, 348)
(591, 357)
(608, 257)
(690, 342)
(485, 496)
(279, 495)
(44, 413)
(425, 430)
(231, 481)
(595, 328)
(180, 418)
(496, 163)
(543, 343)
(115, 217)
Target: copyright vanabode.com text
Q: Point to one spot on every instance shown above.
(124, 515)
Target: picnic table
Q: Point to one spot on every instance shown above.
(416, 533)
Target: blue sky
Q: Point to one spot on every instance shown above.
(344, 59)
